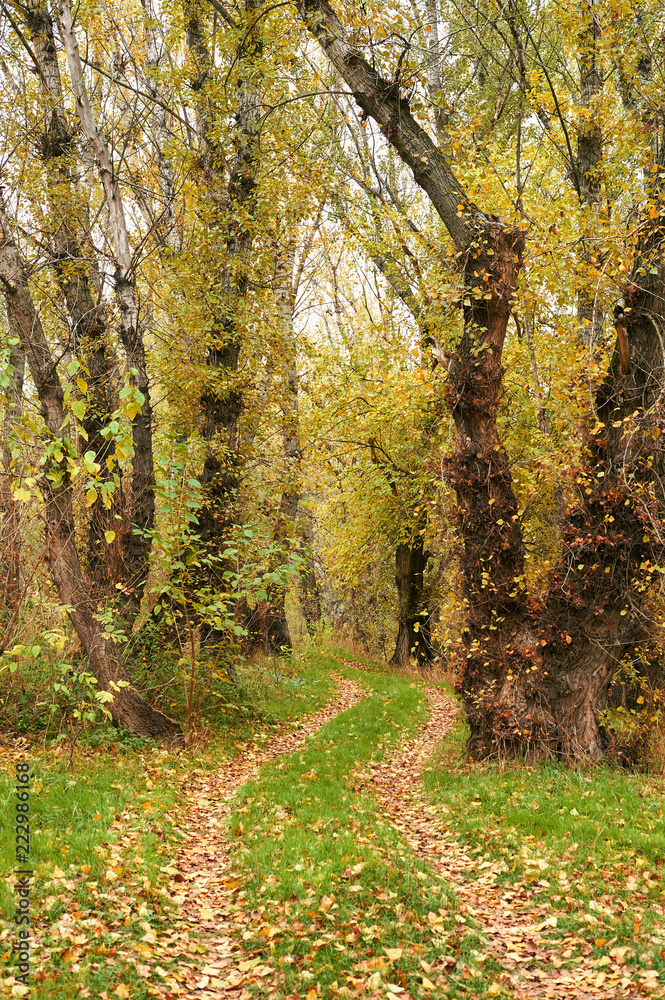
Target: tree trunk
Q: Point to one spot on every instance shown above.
(167, 222)
(414, 632)
(75, 275)
(588, 166)
(221, 400)
(141, 504)
(310, 595)
(10, 518)
(127, 707)
(277, 636)
(536, 674)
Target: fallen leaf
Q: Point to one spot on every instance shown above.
(249, 964)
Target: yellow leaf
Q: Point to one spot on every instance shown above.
(109, 536)
(640, 700)
(394, 954)
(85, 869)
(251, 963)
(58, 872)
(82, 384)
(428, 984)
(494, 990)
(90, 496)
(121, 991)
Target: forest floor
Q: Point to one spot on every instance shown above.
(344, 848)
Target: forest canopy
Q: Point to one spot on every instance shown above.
(334, 316)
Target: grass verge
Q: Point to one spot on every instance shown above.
(103, 833)
(589, 843)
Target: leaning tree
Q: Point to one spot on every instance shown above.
(537, 667)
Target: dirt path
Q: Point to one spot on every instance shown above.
(513, 926)
(209, 896)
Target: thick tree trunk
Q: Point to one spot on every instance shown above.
(539, 682)
(535, 674)
(234, 205)
(75, 273)
(127, 707)
(414, 633)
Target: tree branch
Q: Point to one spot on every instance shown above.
(381, 100)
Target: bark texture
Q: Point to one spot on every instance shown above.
(128, 707)
(414, 631)
(588, 166)
(310, 592)
(278, 637)
(167, 221)
(535, 674)
(233, 202)
(141, 502)
(10, 516)
(78, 279)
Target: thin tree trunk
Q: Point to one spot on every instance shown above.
(137, 540)
(277, 636)
(414, 628)
(167, 222)
(10, 518)
(74, 272)
(310, 592)
(589, 161)
(127, 707)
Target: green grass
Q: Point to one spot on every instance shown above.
(330, 877)
(103, 831)
(589, 842)
(332, 892)
(85, 822)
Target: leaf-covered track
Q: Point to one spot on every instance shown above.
(210, 897)
(513, 925)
